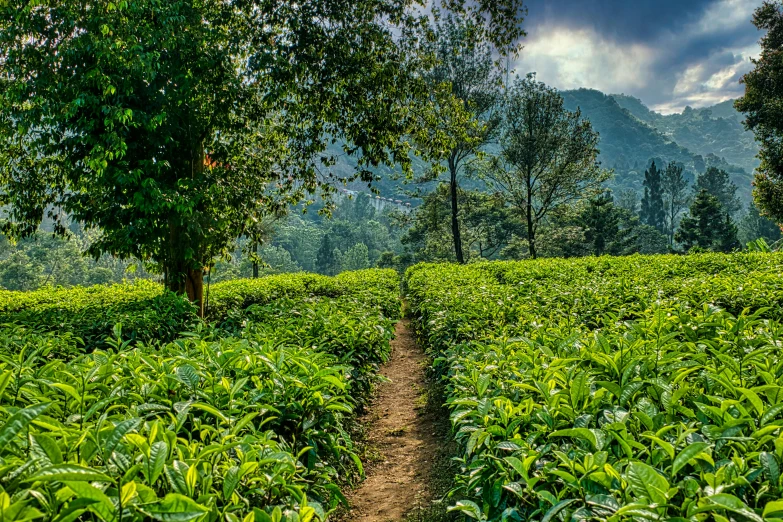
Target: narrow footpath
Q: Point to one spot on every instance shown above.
(403, 430)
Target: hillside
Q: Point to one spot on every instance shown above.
(711, 130)
(632, 135)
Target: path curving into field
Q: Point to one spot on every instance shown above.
(403, 430)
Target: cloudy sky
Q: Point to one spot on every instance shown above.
(668, 53)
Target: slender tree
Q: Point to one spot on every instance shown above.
(652, 210)
(170, 125)
(466, 113)
(602, 223)
(629, 200)
(675, 197)
(548, 155)
(763, 108)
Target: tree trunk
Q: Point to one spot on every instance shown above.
(255, 260)
(187, 281)
(531, 234)
(180, 275)
(194, 288)
(531, 230)
(455, 232)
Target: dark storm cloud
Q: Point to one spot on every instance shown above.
(668, 53)
(622, 20)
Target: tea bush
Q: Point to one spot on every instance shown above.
(641, 388)
(90, 313)
(241, 420)
(148, 313)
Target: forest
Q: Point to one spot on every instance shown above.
(402, 221)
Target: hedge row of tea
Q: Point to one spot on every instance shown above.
(243, 419)
(641, 388)
(148, 313)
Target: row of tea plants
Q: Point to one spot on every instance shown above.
(148, 313)
(641, 388)
(241, 419)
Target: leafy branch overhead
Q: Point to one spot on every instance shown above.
(167, 125)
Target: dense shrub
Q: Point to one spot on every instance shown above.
(145, 311)
(642, 388)
(240, 420)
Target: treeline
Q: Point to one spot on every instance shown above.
(353, 237)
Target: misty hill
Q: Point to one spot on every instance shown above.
(712, 130)
(632, 135)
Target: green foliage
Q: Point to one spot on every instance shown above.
(611, 388)
(245, 421)
(144, 309)
(652, 210)
(717, 182)
(710, 130)
(754, 226)
(241, 293)
(676, 196)
(708, 226)
(147, 312)
(548, 155)
(761, 106)
(173, 155)
(629, 140)
(602, 224)
(466, 115)
(486, 222)
(45, 259)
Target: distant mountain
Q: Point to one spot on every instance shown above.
(632, 135)
(711, 130)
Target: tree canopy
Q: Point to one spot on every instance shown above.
(764, 111)
(548, 154)
(172, 126)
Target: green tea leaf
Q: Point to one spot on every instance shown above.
(68, 472)
(17, 422)
(688, 453)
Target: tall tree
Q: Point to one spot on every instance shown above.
(763, 108)
(675, 197)
(488, 225)
(171, 125)
(465, 65)
(718, 183)
(652, 211)
(602, 223)
(548, 155)
(708, 226)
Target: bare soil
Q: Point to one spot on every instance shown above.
(403, 430)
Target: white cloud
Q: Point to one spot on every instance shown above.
(724, 15)
(698, 65)
(570, 59)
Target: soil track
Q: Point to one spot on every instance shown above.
(403, 430)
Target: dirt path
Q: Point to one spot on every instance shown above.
(403, 431)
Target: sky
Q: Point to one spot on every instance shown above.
(668, 53)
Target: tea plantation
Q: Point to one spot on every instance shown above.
(116, 404)
(638, 388)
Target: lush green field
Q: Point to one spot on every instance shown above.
(640, 388)
(242, 418)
